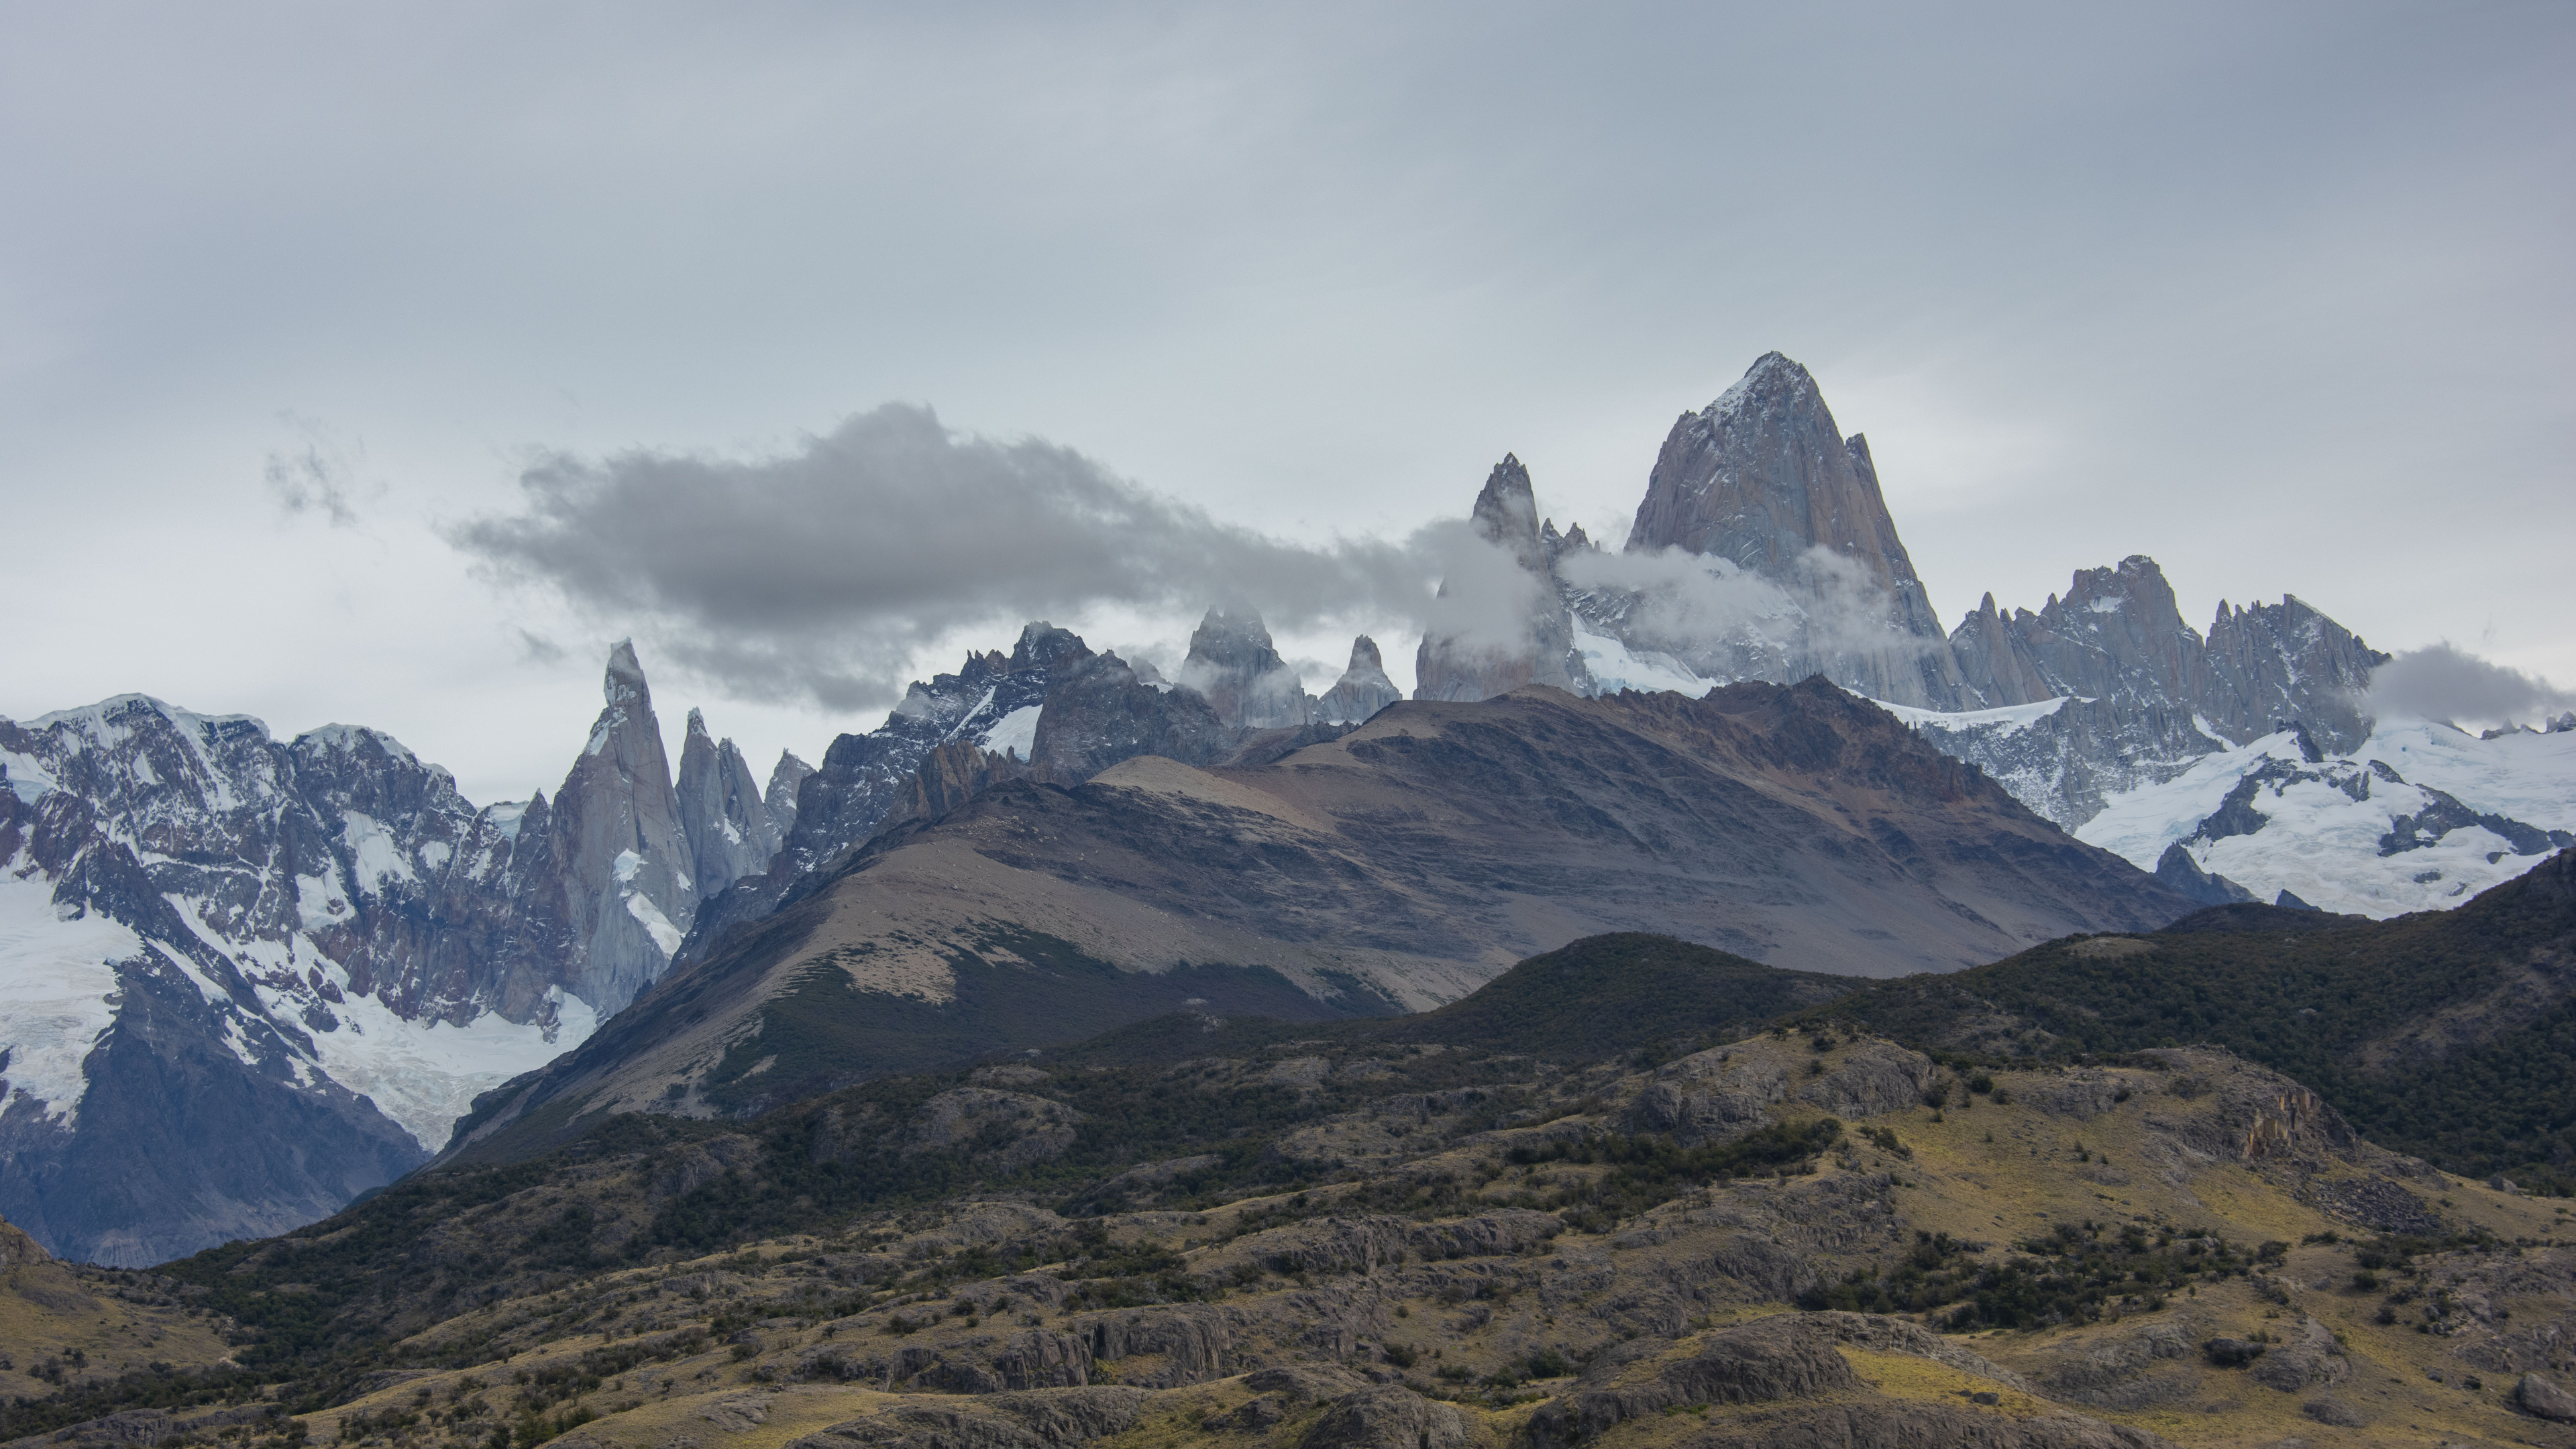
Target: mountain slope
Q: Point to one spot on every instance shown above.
(1393, 868)
(2451, 1034)
(1344, 1242)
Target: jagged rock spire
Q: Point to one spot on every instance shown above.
(1483, 642)
(729, 830)
(1762, 478)
(630, 882)
(1362, 690)
(1234, 664)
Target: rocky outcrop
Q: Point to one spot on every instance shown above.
(1760, 1362)
(1031, 1419)
(1362, 690)
(18, 1250)
(729, 829)
(1501, 623)
(1386, 1418)
(2183, 876)
(1233, 665)
(1100, 712)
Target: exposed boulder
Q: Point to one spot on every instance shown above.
(2539, 1397)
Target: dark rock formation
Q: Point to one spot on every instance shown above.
(865, 780)
(2146, 693)
(2183, 876)
(1099, 712)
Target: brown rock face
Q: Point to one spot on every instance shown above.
(1761, 479)
(1501, 633)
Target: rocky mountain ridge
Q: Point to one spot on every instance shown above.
(1764, 550)
(245, 978)
(1392, 867)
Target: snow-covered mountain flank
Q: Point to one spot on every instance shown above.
(243, 979)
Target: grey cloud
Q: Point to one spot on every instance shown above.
(822, 572)
(317, 476)
(2446, 682)
(537, 649)
(1686, 600)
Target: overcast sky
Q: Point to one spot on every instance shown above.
(299, 305)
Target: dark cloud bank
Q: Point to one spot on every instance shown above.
(820, 573)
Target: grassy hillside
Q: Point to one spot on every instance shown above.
(2450, 1035)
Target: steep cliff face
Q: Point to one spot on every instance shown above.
(729, 829)
(1235, 667)
(1507, 625)
(1762, 480)
(2279, 662)
(620, 847)
(1362, 690)
(779, 800)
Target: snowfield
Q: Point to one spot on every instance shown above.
(2328, 831)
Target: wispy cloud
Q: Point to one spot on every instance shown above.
(2446, 682)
